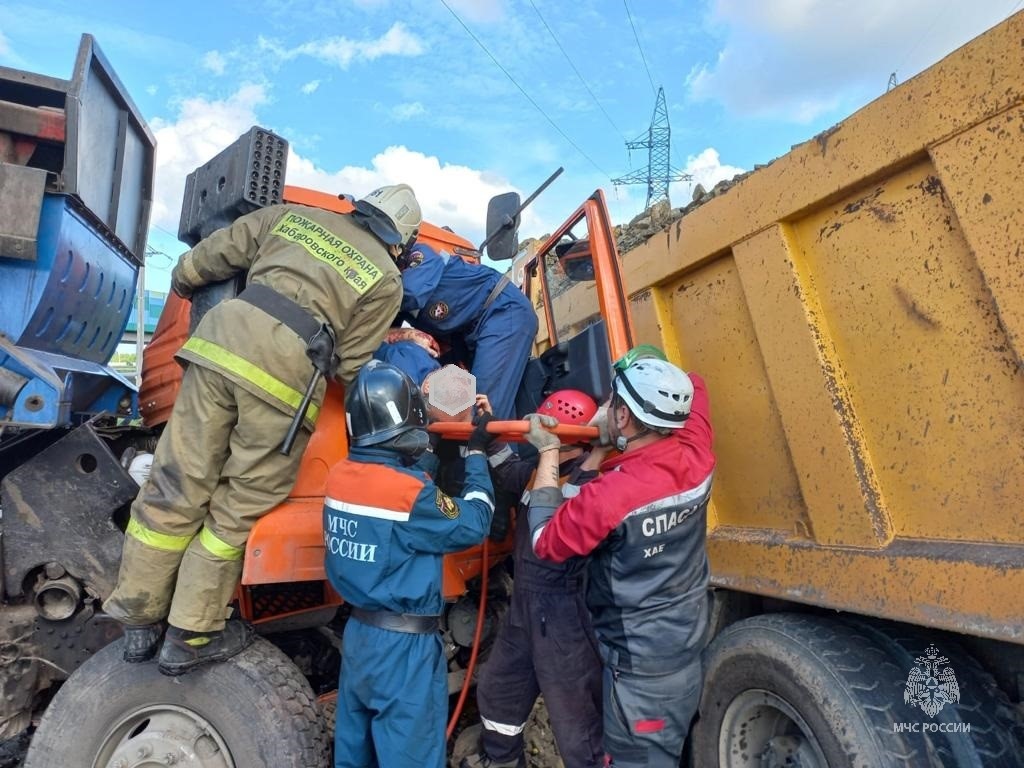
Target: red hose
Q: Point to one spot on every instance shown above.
(471, 667)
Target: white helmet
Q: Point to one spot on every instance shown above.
(656, 392)
(392, 213)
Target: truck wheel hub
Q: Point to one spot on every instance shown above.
(163, 735)
(762, 730)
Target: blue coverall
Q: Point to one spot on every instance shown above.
(386, 528)
(445, 296)
(409, 357)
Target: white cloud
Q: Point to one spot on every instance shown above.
(799, 59)
(202, 129)
(483, 11)
(215, 62)
(407, 111)
(342, 51)
(310, 87)
(452, 195)
(152, 90)
(707, 170)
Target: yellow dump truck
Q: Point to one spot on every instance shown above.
(857, 309)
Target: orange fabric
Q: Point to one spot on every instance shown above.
(373, 485)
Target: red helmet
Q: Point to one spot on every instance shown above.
(569, 406)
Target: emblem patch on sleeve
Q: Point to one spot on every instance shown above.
(437, 311)
(446, 504)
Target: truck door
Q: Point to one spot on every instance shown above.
(575, 280)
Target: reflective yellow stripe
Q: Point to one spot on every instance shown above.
(157, 540)
(218, 547)
(359, 272)
(269, 383)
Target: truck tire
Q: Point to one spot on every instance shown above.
(792, 689)
(996, 735)
(255, 710)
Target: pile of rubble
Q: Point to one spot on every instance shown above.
(628, 236)
(660, 215)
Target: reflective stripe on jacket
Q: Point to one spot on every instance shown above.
(324, 262)
(386, 528)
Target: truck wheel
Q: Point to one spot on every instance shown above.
(791, 689)
(255, 710)
(996, 735)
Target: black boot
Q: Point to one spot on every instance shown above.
(141, 642)
(184, 650)
(480, 760)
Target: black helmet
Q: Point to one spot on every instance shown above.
(382, 403)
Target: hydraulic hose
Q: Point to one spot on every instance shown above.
(477, 634)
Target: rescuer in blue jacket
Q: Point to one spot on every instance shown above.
(474, 305)
(386, 527)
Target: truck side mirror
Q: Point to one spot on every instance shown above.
(503, 226)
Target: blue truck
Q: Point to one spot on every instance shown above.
(76, 188)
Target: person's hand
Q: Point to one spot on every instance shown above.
(483, 405)
(540, 436)
(600, 420)
(480, 439)
(178, 285)
(419, 338)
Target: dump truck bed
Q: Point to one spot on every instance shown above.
(857, 308)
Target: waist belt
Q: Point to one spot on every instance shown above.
(410, 623)
(282, 308)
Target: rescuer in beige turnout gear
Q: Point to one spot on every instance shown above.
(218, 468)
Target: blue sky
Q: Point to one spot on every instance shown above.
(382, 91)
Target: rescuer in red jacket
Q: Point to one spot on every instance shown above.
(642, 523)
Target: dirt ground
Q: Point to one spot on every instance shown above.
(12, 752)
(540, 742)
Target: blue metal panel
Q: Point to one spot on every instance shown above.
(59, 389)
(74, 300)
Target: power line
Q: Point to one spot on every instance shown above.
(636, 36)
(522, 91)
(574, 69)
(639, 47)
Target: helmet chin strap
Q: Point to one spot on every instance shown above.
(622, 441)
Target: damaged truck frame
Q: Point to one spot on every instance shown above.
(857, 309)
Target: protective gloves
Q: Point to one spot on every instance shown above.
(178, 285)
(539, 435)
(600, 420)
(480, 439)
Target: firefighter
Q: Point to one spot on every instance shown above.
(385, 536)
(313, 277)
(472, 306)
(545, 643)
(642, 524)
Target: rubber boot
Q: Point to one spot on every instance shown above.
(183, 651)
(480, 760)
(141, 642)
